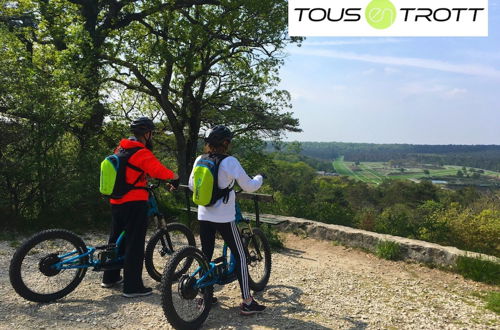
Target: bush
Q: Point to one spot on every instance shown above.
(478, 270)
(272, 236)
(388, 250)
(396, 220)
(365, 219)
(473, 230)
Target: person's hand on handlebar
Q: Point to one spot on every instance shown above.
(174, 184)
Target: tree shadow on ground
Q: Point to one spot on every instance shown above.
(294, 253)
(356, 325)
(282, 301)
(71, 307)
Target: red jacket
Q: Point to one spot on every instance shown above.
(146, 161)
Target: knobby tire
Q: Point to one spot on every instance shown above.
(155, 243)
(28, 248)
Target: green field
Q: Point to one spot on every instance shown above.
(376, 172)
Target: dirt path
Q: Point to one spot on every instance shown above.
(314, 285)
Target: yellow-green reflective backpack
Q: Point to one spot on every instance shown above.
(206, 190)
(113, 170)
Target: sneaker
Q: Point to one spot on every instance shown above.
(252, 308)
(111, 284)
(140, 293)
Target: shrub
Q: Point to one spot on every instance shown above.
(473, 230)
(396, 220)
(478, 269)
(272, 236)
(388, 250)
(365, 219)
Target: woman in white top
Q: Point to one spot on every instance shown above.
(220, 217)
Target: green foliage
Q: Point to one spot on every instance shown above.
(396, 220)
(366, 219)
(471, 229)
(250, 152)
(478, 156)
(462, 218)
(273, 237)
(491, 298)
(291, 177)
(493, 301)
(206, 65)
(63, 75)
(388, 250)
(478, 270)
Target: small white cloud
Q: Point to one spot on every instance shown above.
(482, 55)
(368, 72)
(461, 68)
(390, 70)
(455, 92)
(374, 41)
(420, 88)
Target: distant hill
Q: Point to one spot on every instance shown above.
(478, 156)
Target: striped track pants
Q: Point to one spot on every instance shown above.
(231, 236)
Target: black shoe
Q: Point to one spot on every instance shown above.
(252, 308)
(111, 284)
(140, 293)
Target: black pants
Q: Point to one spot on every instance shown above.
(131, 217)
(231, 236)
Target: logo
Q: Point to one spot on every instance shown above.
(197, 188)
(380, 14)
(388, 18)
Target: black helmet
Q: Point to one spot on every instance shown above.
(142, 125)
(218, 134)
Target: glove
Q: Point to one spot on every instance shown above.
(175, 183)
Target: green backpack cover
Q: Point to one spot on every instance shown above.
(206, 190)
(113, 170)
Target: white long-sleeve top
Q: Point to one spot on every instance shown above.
(230, 170)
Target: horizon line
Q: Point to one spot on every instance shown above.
(396, 143)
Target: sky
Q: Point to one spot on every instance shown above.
(397, 90)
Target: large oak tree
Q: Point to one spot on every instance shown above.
(209, 64)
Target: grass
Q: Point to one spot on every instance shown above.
(7, 236)
(478, 270)
(14, 243)
(388, 250)
(376, 172)
(491, 298)
(341, 168)
(493, 302)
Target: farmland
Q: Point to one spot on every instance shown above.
(376, 172)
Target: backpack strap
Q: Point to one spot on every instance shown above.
(131, 152)
(221, 192)
(138, 170)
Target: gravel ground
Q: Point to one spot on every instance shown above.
(314, 285)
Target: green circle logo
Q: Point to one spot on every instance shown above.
(380, 14)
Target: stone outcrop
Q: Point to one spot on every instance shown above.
(415, 250)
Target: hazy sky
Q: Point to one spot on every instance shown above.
(397, 90)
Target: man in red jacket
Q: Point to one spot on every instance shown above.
(129, 213)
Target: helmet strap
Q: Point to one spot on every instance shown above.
(149, 142)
